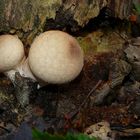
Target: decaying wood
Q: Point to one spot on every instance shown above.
(118, 70)
(28, 18)
(101, 130)
(133, 57)
(23, 89)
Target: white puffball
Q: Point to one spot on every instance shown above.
(11, 52)
(55, 57)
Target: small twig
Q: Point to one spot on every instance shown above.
(73, 114)
(89, 94)
(8, 131)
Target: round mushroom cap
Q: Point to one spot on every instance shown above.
(55, 57)
(11, 52)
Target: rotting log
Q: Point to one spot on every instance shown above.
(27, 18)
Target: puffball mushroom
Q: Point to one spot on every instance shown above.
(55, 57)
(11, 54)
(14, 64)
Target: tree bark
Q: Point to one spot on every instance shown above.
(27, 18)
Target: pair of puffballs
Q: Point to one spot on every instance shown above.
(54, 56)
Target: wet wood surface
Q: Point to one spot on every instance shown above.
(28, 18)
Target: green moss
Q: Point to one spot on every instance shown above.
(3, 26)
(3, 96)
(1, 7)
(100, 42)
(86, 45)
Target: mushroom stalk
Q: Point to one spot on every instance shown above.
(11, 75)
(23, 69)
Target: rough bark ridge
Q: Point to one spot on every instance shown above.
(26, 18)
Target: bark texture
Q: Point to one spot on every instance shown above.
(27, 18)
